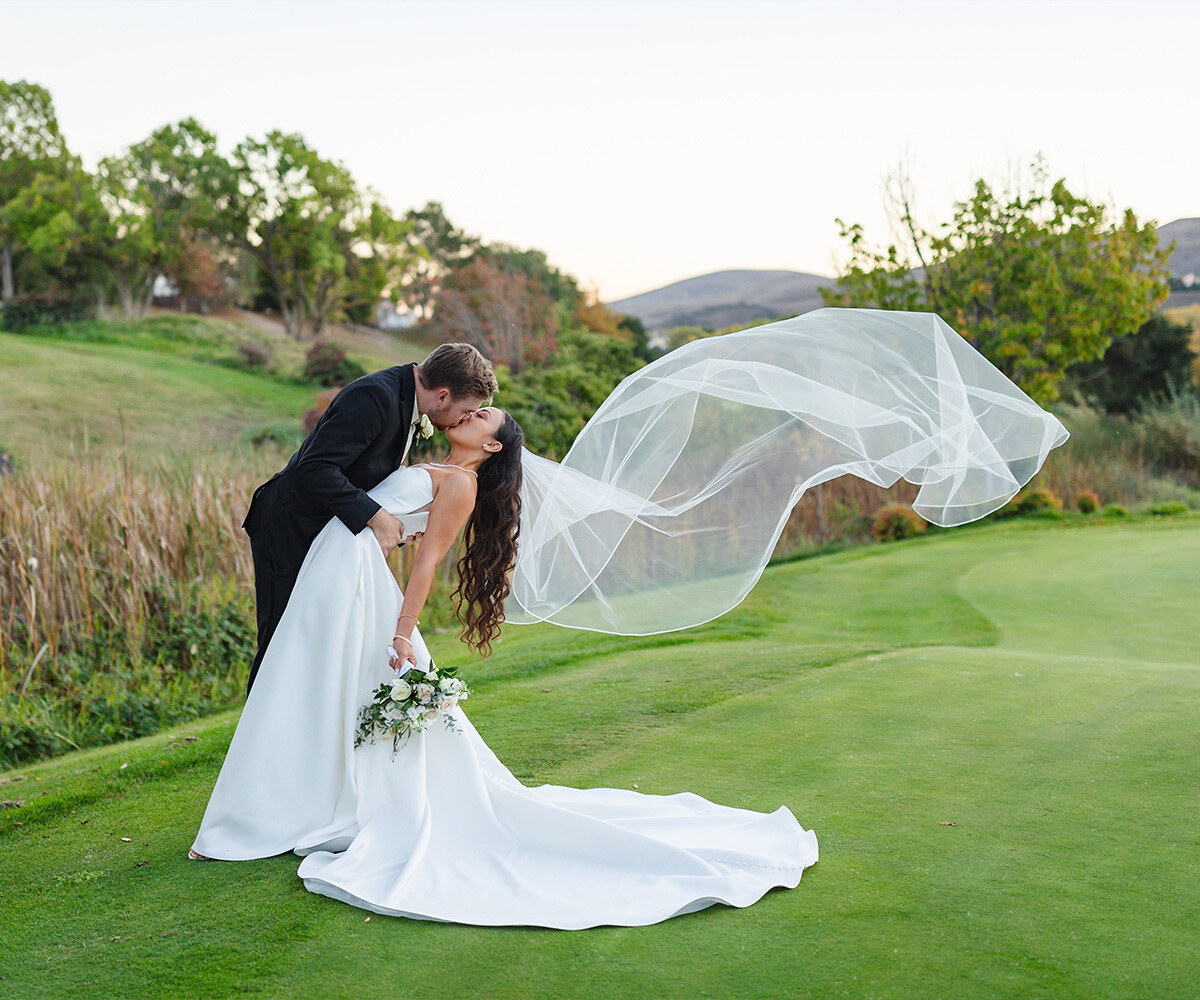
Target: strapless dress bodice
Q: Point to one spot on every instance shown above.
(402, 493)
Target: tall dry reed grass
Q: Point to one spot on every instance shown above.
(127, 596)
(85, 547)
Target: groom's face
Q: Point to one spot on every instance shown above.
(448, 412)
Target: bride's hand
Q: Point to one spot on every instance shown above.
(404, 653)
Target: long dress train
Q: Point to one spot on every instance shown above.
(442, 830)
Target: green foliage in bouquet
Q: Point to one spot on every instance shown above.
(411, 704)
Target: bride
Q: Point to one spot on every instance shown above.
(662, 516)
(442, 830)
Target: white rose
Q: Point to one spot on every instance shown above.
(424, 692)
(446, 684)
(447, 704)
(425, 427)
(401, 690)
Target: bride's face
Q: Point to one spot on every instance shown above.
(478, 430)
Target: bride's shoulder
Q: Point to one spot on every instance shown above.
(449, 481)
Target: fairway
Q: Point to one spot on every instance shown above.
(992, 731)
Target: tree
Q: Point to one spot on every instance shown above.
(1153, 362)
(381, 260)
(505, 314)
(68, 238)
(1036, 279)
(556, 285)
(552, 401)
(161, 193)
(641, 338)
(304, 222)
(438, 247)
(30, 145)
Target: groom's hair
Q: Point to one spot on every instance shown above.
(461, 369)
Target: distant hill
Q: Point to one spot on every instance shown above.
(724, 298)
(1186, 257)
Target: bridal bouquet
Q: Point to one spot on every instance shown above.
(411, 704)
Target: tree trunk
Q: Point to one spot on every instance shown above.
(293, 318)
(6, 272)
(147, 298)
(124, 294)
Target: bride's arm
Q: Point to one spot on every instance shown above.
(452, 505)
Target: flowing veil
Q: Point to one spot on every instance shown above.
(667, 507)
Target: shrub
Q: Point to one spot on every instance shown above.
(24, 311)
(1168, 431)
(1169, 509)
(286, 436)
(253, 356)
(895, 522)
(326, 364)
(322, 404)
(1036, 501)
(1087, 502)
(1114, 511)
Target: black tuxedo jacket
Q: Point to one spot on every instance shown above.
(356, 444)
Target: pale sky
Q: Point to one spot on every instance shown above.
(640, 142)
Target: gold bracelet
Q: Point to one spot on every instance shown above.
(413, 617)
(406, 638)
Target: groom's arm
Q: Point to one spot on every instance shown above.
(351, 424)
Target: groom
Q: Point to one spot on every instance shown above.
(362, 438)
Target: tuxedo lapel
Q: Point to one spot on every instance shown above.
(408, 401)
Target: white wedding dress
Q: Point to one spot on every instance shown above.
(443, 831)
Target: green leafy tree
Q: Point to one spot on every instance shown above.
(378, 263)
(305, 223)
(637, 331)
(70, 244)
(30, 145)
(556, 285)
(160, 194)
(1152, 363)
(552, 401)
(438, 247)
(1036, 278)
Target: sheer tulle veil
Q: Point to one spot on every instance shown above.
(666, 509)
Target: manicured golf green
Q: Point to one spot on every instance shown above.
(994, 733)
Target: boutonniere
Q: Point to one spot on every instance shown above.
(425, 426)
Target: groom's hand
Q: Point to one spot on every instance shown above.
(388, 531)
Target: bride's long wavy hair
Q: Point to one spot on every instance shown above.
(490, 542)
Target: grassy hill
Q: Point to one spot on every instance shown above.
(165, 385)
(991, 730)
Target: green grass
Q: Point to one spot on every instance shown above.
(61, 397)
(167, 382)
(1035, 685)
